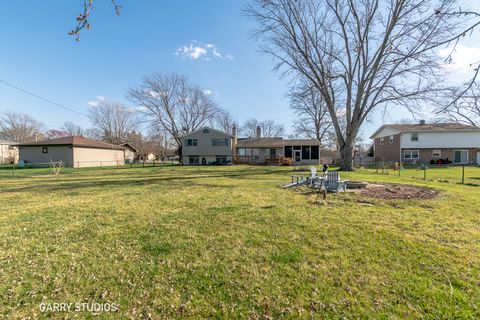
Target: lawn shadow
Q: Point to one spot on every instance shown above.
(135, 181)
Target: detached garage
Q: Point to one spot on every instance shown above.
(73, 151)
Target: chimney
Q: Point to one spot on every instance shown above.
(234, 146)
(35, 136)
(422, 122)
(259, 132)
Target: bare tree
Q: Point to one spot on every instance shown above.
(224, 121)
(465, 110)
(83, 19)
(19, 127)
(174, 105)
(55, 133)
(313, 117)
(360, 56)
(113, 120)
(93, 133)
(269, 128)
(72, 129)
(159, 142)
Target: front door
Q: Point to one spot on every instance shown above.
(478, 158)
(297, 155)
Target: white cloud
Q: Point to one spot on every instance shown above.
(153, 94)
(93, 103)
(341, 112)
(207, 92)
(464, 59)
(203, 51)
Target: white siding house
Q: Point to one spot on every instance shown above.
(207, 146)
(438, 143)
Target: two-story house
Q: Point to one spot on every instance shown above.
(207, 146)
(427, 143)
(210, 146)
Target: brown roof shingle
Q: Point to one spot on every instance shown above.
(259, 142)
(432, 127)
(76, 141)
(273, 142)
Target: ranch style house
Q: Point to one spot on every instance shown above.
(73, 151)
(210, 146)
(436, 143)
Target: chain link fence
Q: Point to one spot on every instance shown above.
(9, 171)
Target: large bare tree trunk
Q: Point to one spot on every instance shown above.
(362, 56)
(346, 154)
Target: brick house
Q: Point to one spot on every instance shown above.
(427, 143)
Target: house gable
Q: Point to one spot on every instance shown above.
(385, 131)
(201, 130)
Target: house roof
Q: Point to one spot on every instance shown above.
(276, 142)
(208, 128)
(10, 143)
(429, 127)
(260, 142)
(301, 142)
(129, 146)
(76, 141)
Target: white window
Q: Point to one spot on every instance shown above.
(436, 153)
(390, 140)
(219, 142)
(411, 154)
(414, 137)
(460, 156)
(381, 140)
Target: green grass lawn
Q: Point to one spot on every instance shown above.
(228, 242)
(451, 174)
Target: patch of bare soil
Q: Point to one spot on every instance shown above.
(390, 191)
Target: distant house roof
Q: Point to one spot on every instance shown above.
(10, 143)
(429, 127)
(276, 142)
(76, 141)
(129, 146)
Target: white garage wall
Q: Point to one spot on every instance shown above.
(90, 157)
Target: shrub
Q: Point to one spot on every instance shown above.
(283, 161)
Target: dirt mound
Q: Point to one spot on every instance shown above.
(390, 191)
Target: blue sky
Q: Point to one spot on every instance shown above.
(38, 55)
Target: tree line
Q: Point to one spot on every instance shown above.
(164, 108)
(348, 60)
